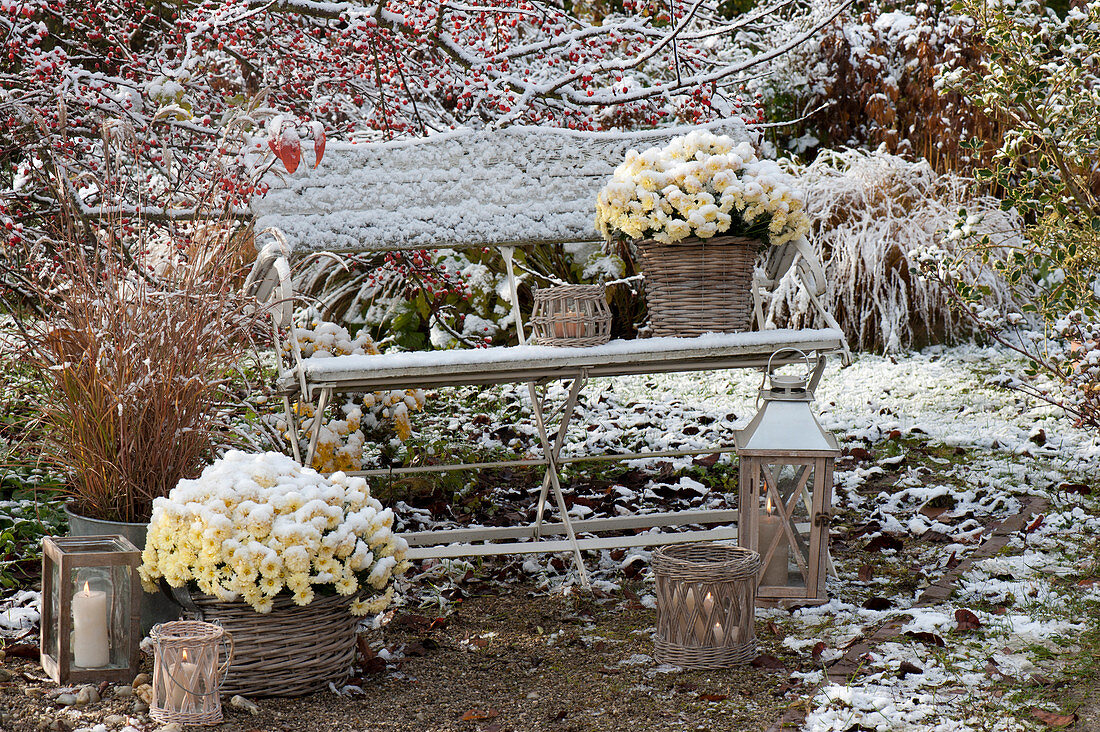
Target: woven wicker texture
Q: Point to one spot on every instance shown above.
(291, 651)
(698, 286)
(706, 603)
(190, 660)
(571, 315)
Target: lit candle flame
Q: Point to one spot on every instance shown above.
(87, 590)
(185, 654)
(769, 506)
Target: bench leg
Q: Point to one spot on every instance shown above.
(315, 431)
(553, 453)
(551, 477)
(292, 429)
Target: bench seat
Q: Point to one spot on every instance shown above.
(513, 364)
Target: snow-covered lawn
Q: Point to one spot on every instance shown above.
(938, 453)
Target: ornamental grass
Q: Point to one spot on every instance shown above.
(134, 351)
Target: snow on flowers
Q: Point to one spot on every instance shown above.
(341, 439)
(252, 526)
(701, 184)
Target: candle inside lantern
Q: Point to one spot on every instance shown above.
(775, 573)
(182, 682)
(90, 644)
(719, 636)
(570, 325)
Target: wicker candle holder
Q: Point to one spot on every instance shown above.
(187, 674)
(706, 602)
(571, 315)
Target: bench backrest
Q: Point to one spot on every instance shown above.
(513, 186)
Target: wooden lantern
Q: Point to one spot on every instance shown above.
(91, 614)
(786, 493)
(190, 662)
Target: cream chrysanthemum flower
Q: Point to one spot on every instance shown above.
(254, 526)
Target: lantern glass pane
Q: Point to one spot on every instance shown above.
(52, 640)
(786, 501)
(100, 617)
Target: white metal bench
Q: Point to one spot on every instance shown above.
(535, 186)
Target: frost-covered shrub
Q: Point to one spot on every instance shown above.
(371, 416)
(254, 526)
(1041, 78)
(871, 211)
(876, 69)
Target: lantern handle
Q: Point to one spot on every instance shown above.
(768, 369)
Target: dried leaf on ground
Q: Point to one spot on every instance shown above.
(473, 714)
(883, 542)
(766, 660)
(1053, 719)
(925, 637)
(907, 668)
(967, 620)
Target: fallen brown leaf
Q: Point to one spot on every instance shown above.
(878, 603)
(1035, 524)
(907, 668)
(473, 714)
(952, 561)
(932, 511)
(883, 542)
(1053, 719)
(1080, 489)
(707, 461)
(713, 697)
(866, 572)
(765, 660)
(818, 649)
(967, 620)
(925, 637)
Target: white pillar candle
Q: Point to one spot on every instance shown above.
(90, 644)
(719, 636)
(775, 572)
(182, 682)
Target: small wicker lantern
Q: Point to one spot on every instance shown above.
(706, 603)
(91, 610)
(786, 492)
(571, 315)
(188, 671)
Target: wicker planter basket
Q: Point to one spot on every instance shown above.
(698, 286)
(291, 651)
(706, 602)
(571, 315)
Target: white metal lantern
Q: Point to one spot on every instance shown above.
(786, 491)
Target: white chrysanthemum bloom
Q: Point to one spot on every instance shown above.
(253, 526)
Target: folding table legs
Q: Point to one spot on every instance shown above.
(552, 451)
(315, 430)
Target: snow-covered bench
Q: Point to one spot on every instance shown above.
(504, 188)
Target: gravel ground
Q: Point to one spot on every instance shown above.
(502, 660)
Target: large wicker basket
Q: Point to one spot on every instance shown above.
(291, 651)
(698, 286)
(706, 604)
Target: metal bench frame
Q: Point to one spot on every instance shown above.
(317, 381)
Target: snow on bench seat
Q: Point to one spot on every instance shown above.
(536, 363)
